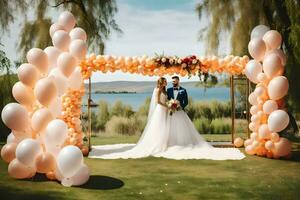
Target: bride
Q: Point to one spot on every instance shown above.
(169, 136)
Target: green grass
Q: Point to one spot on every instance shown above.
(157, 178)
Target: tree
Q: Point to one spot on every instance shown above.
(238, 18)
(95, 17)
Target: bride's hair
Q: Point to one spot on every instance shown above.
(160, 84)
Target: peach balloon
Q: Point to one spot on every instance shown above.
(67, 20)
(278, 87)
(257, 48)
(238, 142)
(270, 106)
(250, 150)
(264, 132)
(247, 142)
(45, 162)
(255, 118)
(78, 49)
(282, 148)
(272, 39)
(78, 33)
(27, 151)
(28, 74)
(85, 150)
(260, 91)
(253, 126)
(261, 77)
(269, 145)
(18, 170)
(15, 117)
(40, 119)
(8, 152)
(252, 99)
(253, 136)
(55, 27)
(23, 94)
(61, 40)
(38, 58)
(52, 53)
(272, 66)
(278, 121)
(45, 91)
(253, 68)
(275, 137)
(253, 110)
(66, 63)
(60, 80)
(279, 53)
(51, 176)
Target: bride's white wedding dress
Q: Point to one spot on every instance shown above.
(173, 137)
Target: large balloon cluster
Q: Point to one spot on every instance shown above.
(45, 122)
(269, 115)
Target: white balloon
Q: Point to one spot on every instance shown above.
(69, 160)
(56, 132)
(61, 40)
(82, 176)
(78, 33)
(278, 121)
(67, 20)
(78, 49)
(60, 81)
(253, 68)
(67, 182)
(75, 80)
(55, 27)
(27, 151)
(259, 31)
(52, 53)
(15, 117)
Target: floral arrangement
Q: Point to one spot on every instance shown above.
(188, 63)
(173, 105)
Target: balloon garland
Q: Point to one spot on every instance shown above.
(45, 121)
(269, 115)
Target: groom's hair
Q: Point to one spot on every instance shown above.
(175, 77)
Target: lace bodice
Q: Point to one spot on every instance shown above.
(163, 97)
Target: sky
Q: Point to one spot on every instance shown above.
(149, 26)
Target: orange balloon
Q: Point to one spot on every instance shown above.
(85, 150)
(45, 163)
(8, 152)
(19, 171)
(51, 176)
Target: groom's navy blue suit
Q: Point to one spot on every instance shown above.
(182, 96)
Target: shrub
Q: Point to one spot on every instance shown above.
(121, 125)
(220, 126)
(202, 125)
(119, 109)
(102, 115)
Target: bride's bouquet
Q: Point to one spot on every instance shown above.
(173, 105)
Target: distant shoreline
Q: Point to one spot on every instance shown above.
(113, 92)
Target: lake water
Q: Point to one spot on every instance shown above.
(138, 99)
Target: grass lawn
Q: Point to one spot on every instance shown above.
(157, 178)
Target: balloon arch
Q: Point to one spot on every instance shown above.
(46, 128)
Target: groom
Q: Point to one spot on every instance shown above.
(177, 92)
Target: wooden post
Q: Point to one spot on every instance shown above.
(89, 116)
(248, 106)
(232, 108)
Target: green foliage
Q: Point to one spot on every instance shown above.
(120, 109)
(202, 125)
(121, 125)
(102, 115)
